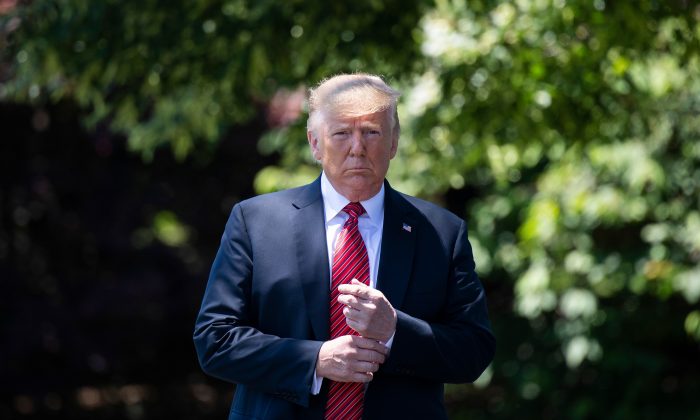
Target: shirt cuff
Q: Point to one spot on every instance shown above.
(390, 341)
(316, 384)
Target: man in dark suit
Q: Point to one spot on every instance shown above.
(344, 298)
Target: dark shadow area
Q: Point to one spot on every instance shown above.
(103, 262)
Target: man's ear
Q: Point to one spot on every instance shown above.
(394, 144)
(313, 144)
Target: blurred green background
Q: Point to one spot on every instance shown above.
(567, 133)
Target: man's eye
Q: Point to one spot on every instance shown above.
(340, 133)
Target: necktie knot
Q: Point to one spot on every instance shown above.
(354, 210)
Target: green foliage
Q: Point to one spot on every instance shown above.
(576, 124)
(181, 73)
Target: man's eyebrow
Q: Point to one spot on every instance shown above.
(345, 126)
(339, 125)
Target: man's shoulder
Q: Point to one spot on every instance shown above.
(432, 212)
(275, 196)
(275, 199)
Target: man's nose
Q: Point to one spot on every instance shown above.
(357, 145)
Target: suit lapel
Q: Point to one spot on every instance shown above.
(312, 256)
(398, 245)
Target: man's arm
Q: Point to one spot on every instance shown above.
(229, 347)
(457, 348)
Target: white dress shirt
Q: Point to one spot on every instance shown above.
(370, 225)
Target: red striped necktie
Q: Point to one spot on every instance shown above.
(350, 261)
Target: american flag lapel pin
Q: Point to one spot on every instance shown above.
(407, 227)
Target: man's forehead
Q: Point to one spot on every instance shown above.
(344, 118)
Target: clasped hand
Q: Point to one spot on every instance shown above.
(352, 358)
(367, 311)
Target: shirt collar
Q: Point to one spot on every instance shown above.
(333, 202)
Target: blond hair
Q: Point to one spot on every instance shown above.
(352, 95)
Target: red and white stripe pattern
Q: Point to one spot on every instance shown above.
(350, 261)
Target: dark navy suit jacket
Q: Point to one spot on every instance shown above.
(265, 315)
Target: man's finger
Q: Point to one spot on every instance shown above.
(362, 377)
(370, 356)
(355, 302)
(365, 367)
(369, 344)
(349, 300)
(351, 313)
(358, 326)
(356, 289)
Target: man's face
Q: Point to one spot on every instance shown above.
(355, 152)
